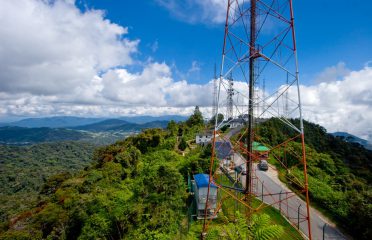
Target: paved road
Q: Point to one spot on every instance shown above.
(291, 205)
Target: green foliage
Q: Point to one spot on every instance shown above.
(259, 228)
(50, 220)
(54, 182)
(182, 145)
(195, 119)
(339, 173)
(25, 169)
(197, 161)
(225, 128)
(172, 127)
(20, 135)
(19, 235)
(135, 189)
(96, 227)
(148, 139)
(220, 118)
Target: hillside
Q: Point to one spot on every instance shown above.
(22, 136)
(108, 125)
(71, 121)
(146, 119)
(24, 169)
(102, 132)
(339, 174)
(347, 137)
(54, 122)
(120, 125)
(135, 189)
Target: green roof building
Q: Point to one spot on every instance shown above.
(259, 147)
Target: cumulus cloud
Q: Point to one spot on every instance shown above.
(117, 92)
(57, 60)
(154, 86)
(333, 73)
(342, 101)
(341, 105)
(195, 11)
(50, 47)
(145, 88)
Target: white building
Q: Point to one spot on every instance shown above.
(234, 123)
(204, 138)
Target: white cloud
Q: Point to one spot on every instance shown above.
(145, 88)
(154, 46)
(117, 92)
(333, 73)
(195, 67)
(53, 47)
(341, 105)
(195, 11)
(57, 60)
(155, 87)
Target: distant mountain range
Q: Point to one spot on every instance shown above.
(148, 119)
(120, 125)
(53, 122)
(347, 137)
(70, 122)
(97, 130)
(24, 136)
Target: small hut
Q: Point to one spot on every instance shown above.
(200, 189)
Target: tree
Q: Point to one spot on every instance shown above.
(220, 118)
(182, 145)
(196, 118)
(172, 127)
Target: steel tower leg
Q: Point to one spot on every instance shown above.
(249, 140)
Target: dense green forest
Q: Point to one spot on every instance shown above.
(135, 189)
(339, 173)
(21, 135)
(100, 133)
(24, 169)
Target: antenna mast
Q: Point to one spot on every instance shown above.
(230, 94)
(214, 107)
(260, 45)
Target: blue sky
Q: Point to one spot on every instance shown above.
(327, 32)
(108, 58)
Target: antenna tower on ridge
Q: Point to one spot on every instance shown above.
(259, 45)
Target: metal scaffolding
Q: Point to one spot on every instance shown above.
(259, 46)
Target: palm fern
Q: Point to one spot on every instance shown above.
(260, 228)
(213, 234)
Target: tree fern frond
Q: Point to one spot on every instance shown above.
(270, 232)
(213, 234)
(242, 225)
(260, 221)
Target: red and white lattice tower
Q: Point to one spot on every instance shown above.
(259, 50)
